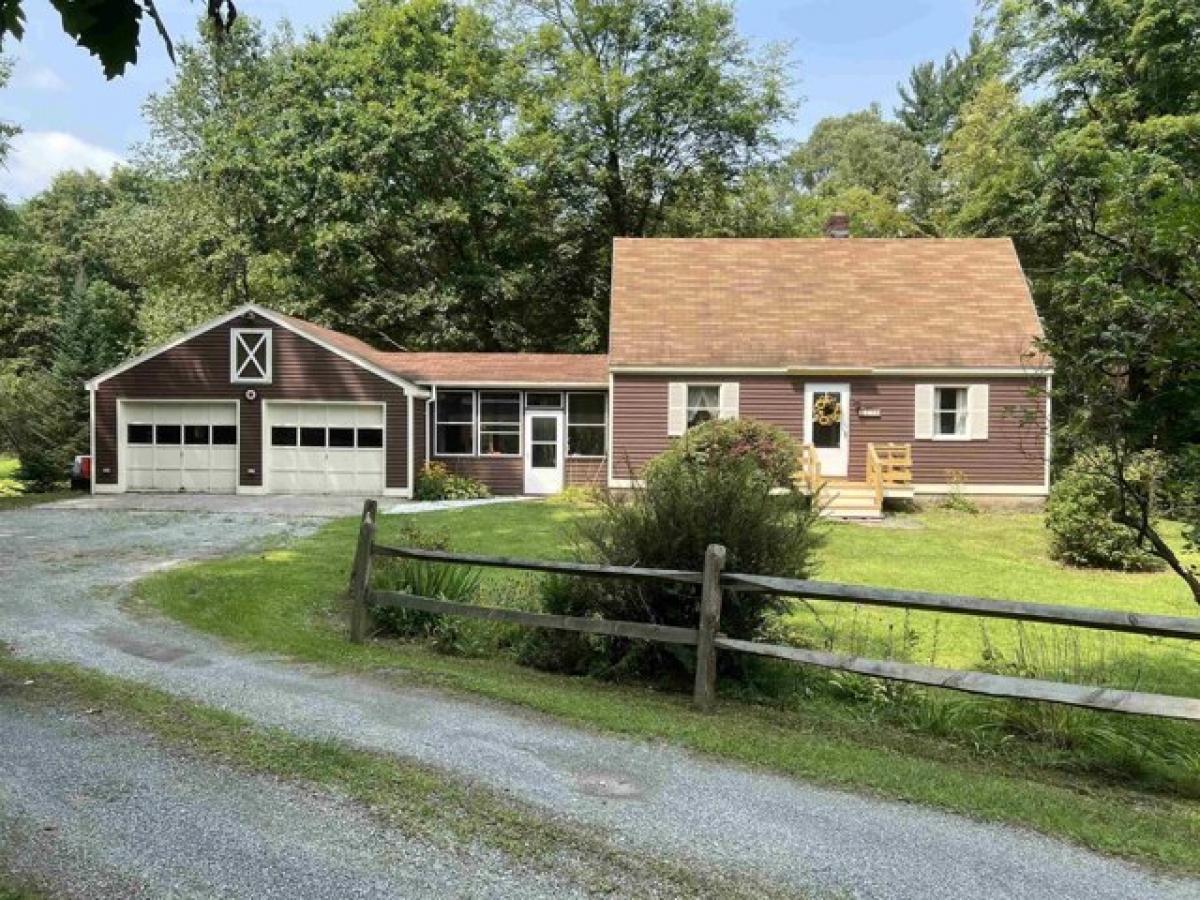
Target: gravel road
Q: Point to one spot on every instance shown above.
(98, 815)
(62, 579)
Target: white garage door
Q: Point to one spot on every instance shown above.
(325, 448)
(180, 446)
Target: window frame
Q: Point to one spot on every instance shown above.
(560, 404)
(237, 336)
(516, 398)
(962, 413)
(687, 402)
(603, 426)
(438, 422)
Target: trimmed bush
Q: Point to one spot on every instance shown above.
(720, 441)
(436, 482)
(688, 501)
(1081, 514)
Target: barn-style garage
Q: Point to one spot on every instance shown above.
(255, 402)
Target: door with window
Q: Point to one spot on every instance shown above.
(543, 452)
(827, 426)
(180, 446)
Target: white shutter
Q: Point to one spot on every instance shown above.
(730, 398)
(676, 408)
(977, 412)
(923, 412)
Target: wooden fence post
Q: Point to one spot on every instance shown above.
(360, 574)
(710, 621)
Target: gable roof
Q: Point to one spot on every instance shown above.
(343, 345)
(558, 369)
(407, 369)
(793, 303)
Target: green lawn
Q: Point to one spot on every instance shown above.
(1119, 784)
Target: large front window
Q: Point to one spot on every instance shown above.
(586, 424)
(950, 412)
(499, 423)
(455, 428)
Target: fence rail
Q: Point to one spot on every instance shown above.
(714, 583)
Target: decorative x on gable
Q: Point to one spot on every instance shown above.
(250, 355)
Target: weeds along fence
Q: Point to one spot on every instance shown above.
(713, 583)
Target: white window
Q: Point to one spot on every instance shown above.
(250, 355)
(692, 404)
(499, 423)
(543, 400)
(587, 429)
(950, 412)
(455, 423)
(703, 403)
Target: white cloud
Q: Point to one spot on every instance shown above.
(41, 78)
(37, 156)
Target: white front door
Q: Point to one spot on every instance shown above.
(324, 448)
(179, 446)
(827, 426)
(543, 452)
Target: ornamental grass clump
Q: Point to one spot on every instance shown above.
(717, 485)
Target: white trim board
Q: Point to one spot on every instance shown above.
(275, 318)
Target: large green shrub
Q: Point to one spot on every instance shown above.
(436, 482)
(1082, 515)
(687, 502)
(719, 441)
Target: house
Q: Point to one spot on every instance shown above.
(849, 345)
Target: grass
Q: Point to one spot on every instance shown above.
(12, 490)
(416, 800)
(954, 755)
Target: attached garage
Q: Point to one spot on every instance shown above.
(174, 445)
(325, 448)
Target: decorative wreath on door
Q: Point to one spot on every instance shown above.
(827, 410)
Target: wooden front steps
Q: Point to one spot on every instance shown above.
(843, 499)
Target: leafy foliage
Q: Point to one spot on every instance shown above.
(436, 482)
(1084, 516)
(687, 502)
(720, 442)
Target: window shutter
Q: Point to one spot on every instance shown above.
(676, 408)
(730, 398)
(977, 412)
(923, 412)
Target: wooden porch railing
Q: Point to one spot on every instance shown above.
(809, 475)
(888, 466)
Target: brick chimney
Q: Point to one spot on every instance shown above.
(837, 225)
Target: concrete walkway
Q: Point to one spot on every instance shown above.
(62, 580)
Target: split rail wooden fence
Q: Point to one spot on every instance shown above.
(713, 582)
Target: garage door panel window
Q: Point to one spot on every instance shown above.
(224, 435)
(284, 436)
(140, 434)
(341, 438)
(370, 438)
(167, 434)
(312, 437)
(499, 423)
(455, 428)
(586, 425)
(195, 434)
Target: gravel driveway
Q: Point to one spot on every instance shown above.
(63, 572)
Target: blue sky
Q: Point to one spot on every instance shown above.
(847, 54)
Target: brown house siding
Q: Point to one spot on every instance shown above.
(198, 369)
(1013, 454)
